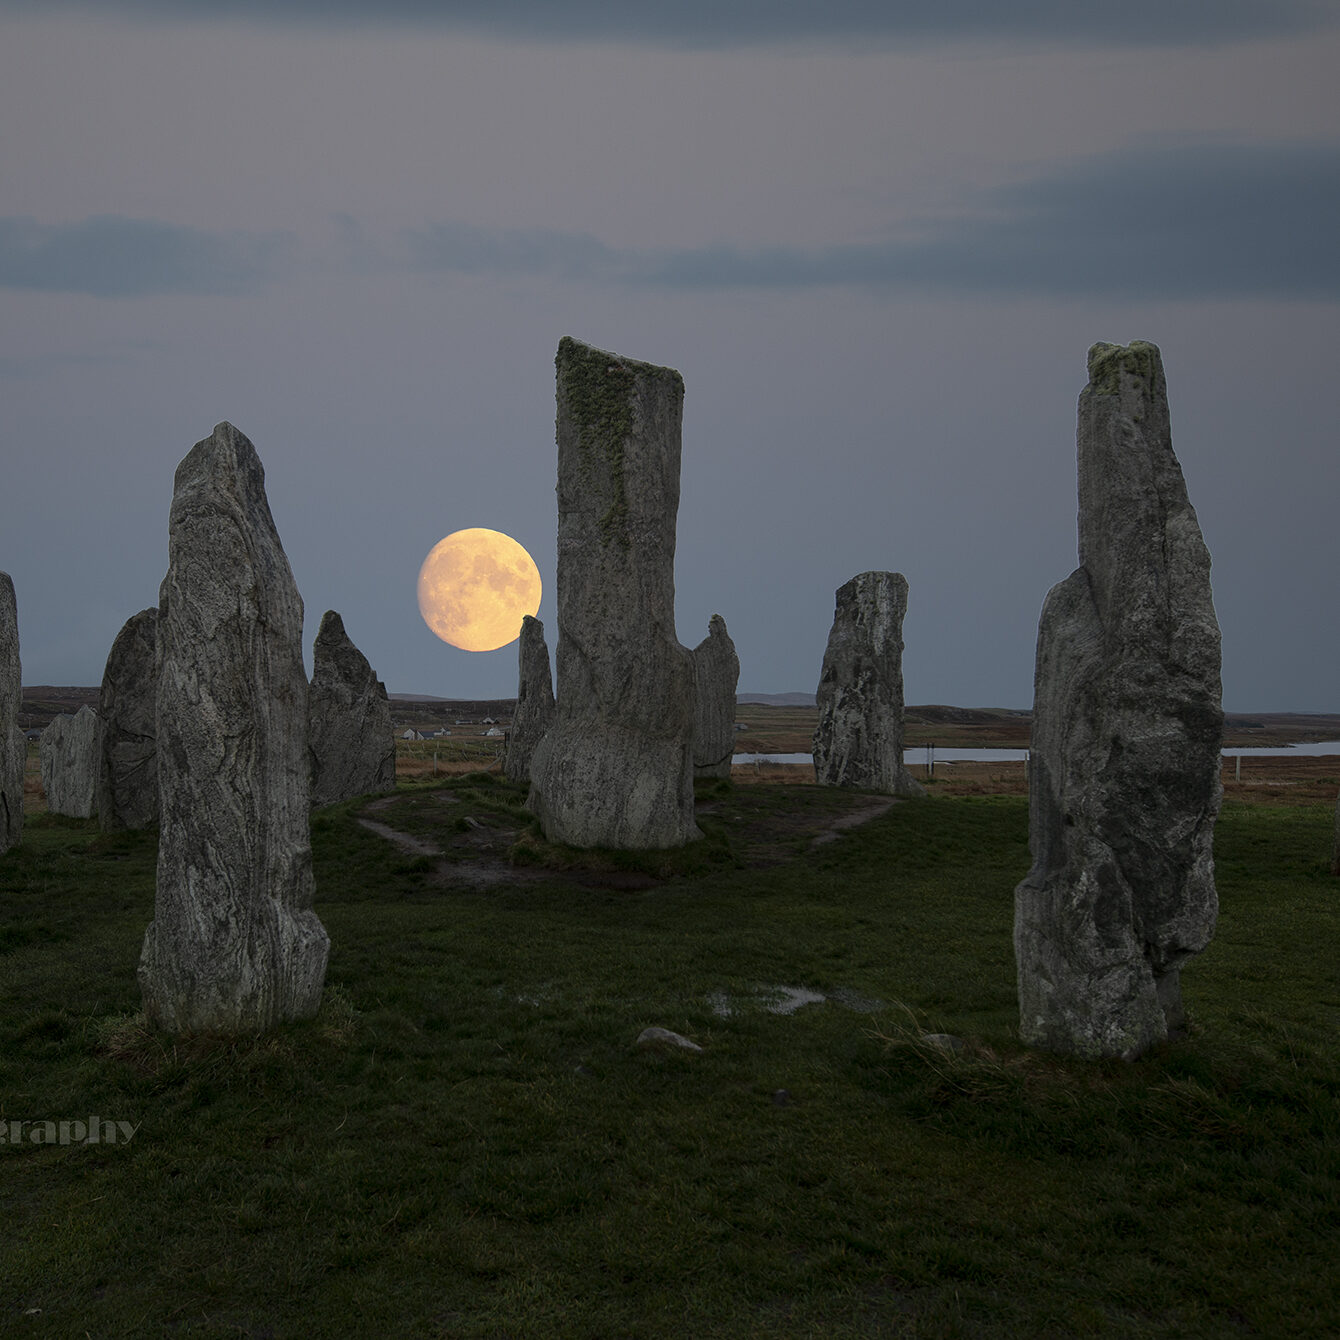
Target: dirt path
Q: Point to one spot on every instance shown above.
(405, 842)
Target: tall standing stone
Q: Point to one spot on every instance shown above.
(717, 672)
(70, 754)
(534, 700)
(234, 946)
(616, 767)
(1124, 781)
(13, 745)
(859, 739)
(127, 707)
(350, 736)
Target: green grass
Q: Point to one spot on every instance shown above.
(467, 1142)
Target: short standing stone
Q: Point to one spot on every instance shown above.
(534, 700)
(13, 745)
(717, 671)
(350, 736)
(128, 772)
(70, 755)
(1124, 777)
(859, 739)
(616, 767)
(234, 946)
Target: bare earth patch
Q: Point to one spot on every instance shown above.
(473, 845)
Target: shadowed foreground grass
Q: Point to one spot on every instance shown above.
(467, 1142)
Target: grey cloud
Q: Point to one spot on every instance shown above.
(108, 256)
(1202, 221)
(471, 250)
(745, 23)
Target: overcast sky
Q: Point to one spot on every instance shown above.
(877, 240)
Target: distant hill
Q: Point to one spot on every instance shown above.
(1002, 725)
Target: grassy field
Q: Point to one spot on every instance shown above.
(468, 1141)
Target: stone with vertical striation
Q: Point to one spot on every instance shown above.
(859, 739)
(13, 745)
(70, 754)
(615, 769)
(717, 674)
(128, 765)
(234, 946)
(1124, 778)
(350, 736)
(534, 700)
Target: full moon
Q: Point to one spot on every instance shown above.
(475, 587)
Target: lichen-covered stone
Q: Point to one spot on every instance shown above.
(1124, 779)
(70, 754)
(859, 739)
(717, 673)
(350, 736)
(13, 746)
(234, 946)
(127, 707)
(534, 700)
(615, 769)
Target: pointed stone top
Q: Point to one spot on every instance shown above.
(225, 454)
(332, 628)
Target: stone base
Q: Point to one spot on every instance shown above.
(236, 985)
(605, 786)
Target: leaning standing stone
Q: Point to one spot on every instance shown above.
(128, 771)
(13, 745)
(534, 700)
(234, 946)
(1124, 780)
(859, 739)
(350, 736)
(717, 672)
(70, 753)
(616, 767)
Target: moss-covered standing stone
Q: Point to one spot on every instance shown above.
(615, 769)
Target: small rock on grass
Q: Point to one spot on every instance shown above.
(663, 1037)
(946, 1042)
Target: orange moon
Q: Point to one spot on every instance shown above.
(475, 587)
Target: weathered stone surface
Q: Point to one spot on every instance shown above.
(616, 767)
(234, 946)
(70, 753)
(13, 746)
(859, 739)
(1124, 780)
(534, 700)
(717, 673)
(349, 731)
(127, 707)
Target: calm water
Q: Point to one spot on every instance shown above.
(917, 754)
